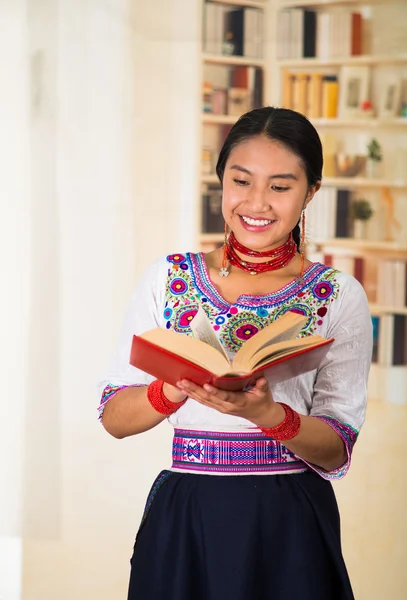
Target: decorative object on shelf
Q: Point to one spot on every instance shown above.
(374, 158)
(354, 90)
(361, 212)
(219, 101)
(206, 163)
(238, 101)
(207, 92)
(390, 219)
(228, 46)
(349, 165)
(367, 111)
(404, 110)
(390, 95)
(212, 218)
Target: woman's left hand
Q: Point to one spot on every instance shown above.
(256, 405)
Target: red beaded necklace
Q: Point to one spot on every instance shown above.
(278, 258)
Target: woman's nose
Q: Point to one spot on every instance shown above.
(258, 200)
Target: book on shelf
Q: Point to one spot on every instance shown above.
(309, 34)
(312, 94)
(212, 34)
(329, 104)
(392, 340)
(212, 218)
(328, 215)
(243, 29)
(276, 351)
(352, 265)
(324, 34)
(392, 283)
(375, 333)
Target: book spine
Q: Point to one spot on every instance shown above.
(342, 225)
(359, 269)
(212, 219)
(300, 92)
(315, 96)
(257, 97)
(209, 28)
(399, 335)
(239, 77)
(356, 34)
(386, 340)
(309, 34)
(376, 330)
(330, 88)
(237, 27)
(250, 35)
(288, 90)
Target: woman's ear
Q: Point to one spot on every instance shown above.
(311, 193)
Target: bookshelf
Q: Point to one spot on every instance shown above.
(232, 61)
(234, 78)
(363, 60)
(361, 50)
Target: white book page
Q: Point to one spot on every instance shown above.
(202, 330)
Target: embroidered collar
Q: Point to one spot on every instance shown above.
(202, 281)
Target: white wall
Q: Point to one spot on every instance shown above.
(110, 138)
(14, 297)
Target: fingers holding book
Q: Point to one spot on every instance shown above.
(255, 405)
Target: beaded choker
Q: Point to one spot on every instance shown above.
(278, 258)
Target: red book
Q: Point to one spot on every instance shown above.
(275, 351)
(356, 34)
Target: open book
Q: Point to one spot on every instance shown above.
(171, 356)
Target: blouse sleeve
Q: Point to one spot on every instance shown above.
(144, 313)
(340, 389)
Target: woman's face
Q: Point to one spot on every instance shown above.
(265, 188)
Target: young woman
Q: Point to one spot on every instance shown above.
(247, 511)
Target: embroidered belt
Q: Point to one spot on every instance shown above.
(233, 453)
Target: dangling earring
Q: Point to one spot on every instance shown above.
(223, 272)
(302, 244)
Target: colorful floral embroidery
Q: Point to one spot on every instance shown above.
(349, 436)
(189, 285)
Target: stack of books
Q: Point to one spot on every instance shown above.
(319, 34)
(236, 32)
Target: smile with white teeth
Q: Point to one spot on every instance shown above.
(257, 222)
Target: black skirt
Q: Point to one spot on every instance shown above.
(244, 537)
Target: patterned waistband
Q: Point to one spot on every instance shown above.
(241, 453)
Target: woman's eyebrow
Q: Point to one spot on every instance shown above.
(276, 176)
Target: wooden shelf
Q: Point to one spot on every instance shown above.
(368, 59)
(210, 179)
(248, 3)
(360, 123)
(243, 61)
(377, 309)
(359, 182)
(211, 238)
(368, 245)
(211, 119)
(325, 3)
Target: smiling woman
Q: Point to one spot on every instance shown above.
(254, 466)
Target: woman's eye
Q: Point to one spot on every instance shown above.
(241, 182)
(278, 188)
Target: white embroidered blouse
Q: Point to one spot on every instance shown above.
(168, 296)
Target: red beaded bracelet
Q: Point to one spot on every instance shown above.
(287, 428)
(159, 401)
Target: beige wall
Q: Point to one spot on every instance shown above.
(372, 500)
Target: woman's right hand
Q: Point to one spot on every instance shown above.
(173, 394)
